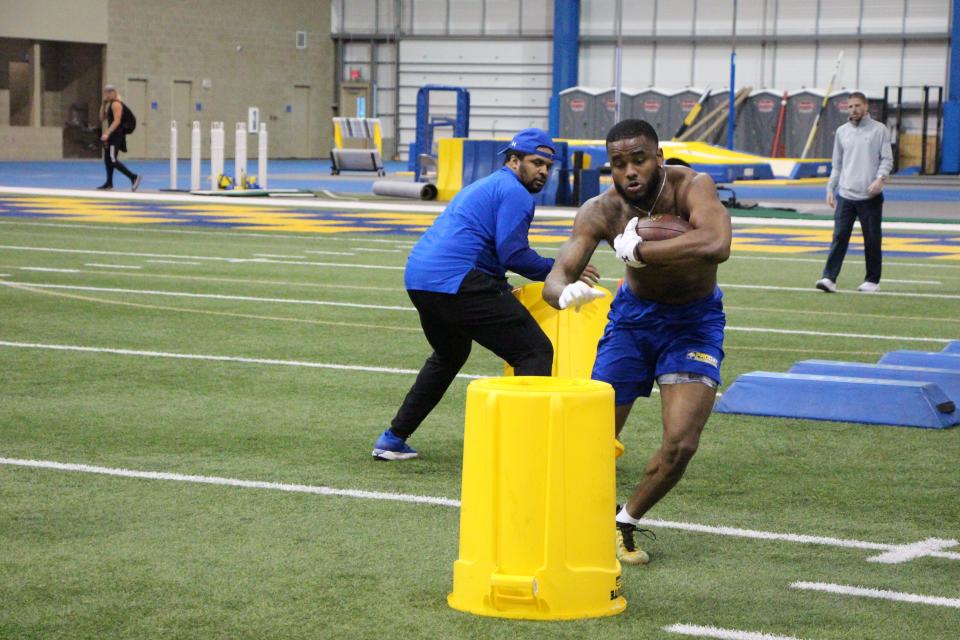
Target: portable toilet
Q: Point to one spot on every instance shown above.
(757, 122)
(607, 109)
(717, 98)
(681, 103)
(802, 109)
(578, 113)
(653, 105)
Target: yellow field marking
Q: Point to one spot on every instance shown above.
(23, 287)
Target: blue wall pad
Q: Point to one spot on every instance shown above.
(947, 379)
(922, 359)
(952, 347)
(840, 399)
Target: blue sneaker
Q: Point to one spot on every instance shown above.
(390, 447)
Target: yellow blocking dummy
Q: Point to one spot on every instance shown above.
(574, 334)
(536, 537)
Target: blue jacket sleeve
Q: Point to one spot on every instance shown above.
(513, 247)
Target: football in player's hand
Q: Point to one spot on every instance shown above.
(662, 226)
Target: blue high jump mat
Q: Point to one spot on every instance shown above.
(936, 360)
(947, 379)
(840, 399)
(952, 347)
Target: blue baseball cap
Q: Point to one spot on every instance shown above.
(528, 140)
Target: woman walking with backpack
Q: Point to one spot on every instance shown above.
(120, 122)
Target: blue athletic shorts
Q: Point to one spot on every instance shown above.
(646, 339)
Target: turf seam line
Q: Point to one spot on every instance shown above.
(449, 502)
(700, 631)
(881, 594)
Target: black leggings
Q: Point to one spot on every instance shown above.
(485, 310)
(111, 160)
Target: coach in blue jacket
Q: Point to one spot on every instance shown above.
(456, 278)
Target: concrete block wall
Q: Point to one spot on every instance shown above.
(245, 48)
(31, 143)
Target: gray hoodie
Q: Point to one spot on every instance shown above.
(861, 154)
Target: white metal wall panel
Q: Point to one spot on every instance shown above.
(793, 66)
(925, 63)
(672, 68)
(839, 16)
(796, 18)
(429, 16)
(359, 16)
(715, 18)
(466, 18)
(674, 17)
(879, 66)
(637, 67)
(927, 15)
(637, 17)
(882, 16)
(596, 65)
(537, 16)
(596, 17)
(503, 17)
(750, 16)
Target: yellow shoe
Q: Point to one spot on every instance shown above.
(627, 550)
(618, 448)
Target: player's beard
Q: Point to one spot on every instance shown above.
(647, 196)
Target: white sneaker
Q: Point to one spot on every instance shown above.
(828, 285)
(869, 287)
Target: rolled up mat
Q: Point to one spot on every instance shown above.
(419, 190)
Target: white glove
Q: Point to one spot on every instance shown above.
(576, 294)
(626, 244)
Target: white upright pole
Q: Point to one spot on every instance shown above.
(240, 156)
(196, 151)
(262, 156)
(216, 154)
(173, 155)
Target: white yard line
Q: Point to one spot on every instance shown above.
(812, 289)
(275, 255)
(209, 296)
(700, 631)
(173, 262)
(209, 258)
(111, 266)
(230, 482)
(912, 281)
(442, 501)
(886, 263)
(327, 303)
(215, 358)
(49, 269)
(881, 594)
(367, 249)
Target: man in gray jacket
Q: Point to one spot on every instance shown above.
(862, 160)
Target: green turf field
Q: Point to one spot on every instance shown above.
(86, 555)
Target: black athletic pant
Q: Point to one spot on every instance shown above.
(485, 310)
(111, 160)
(870, 213)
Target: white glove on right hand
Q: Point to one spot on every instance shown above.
(576, 294)
(626, 243)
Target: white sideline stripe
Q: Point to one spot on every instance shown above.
(366, 249)
(275, 255)
(912, 281)
(213, 258)
(49, 269)
(209, 296)
(172, 262)
(356, 305)
(215, 358)
(699, 631)
(881, 594)
(230, 482)
(822, 260)
(246, 234)
(446, 502)
(111, 266)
